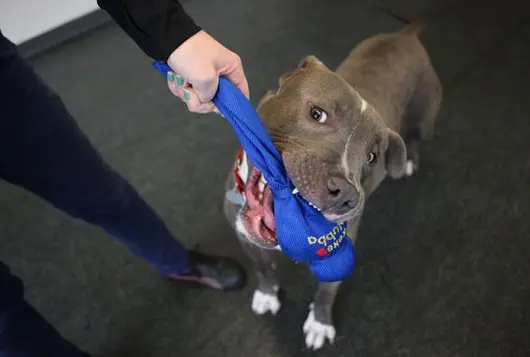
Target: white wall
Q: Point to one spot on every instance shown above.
(21, 20)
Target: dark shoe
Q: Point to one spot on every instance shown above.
(214, 272)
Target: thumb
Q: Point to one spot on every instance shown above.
(237, 76)
(206, 89)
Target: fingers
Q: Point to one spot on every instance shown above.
(183, 90)
(194, 104)
(206, 88)
(237, 76)
(198, 98)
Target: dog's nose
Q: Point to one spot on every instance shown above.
(342, 195)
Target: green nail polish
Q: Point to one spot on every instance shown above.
(170, 76)
(180, 81)
(186, 95)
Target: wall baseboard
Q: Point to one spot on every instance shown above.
(64, 33)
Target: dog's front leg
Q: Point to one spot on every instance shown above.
(318, 326)
(265, 298)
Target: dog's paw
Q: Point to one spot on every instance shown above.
(317, 333)
(410, 168)
(264, 302)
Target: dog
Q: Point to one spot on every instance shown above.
(340, 133)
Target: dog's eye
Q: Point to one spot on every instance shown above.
(318, 114)
(371, 158)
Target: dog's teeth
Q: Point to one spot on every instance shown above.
(261, 186)
(295, 191)
(313, 205)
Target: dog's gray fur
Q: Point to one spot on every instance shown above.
(382, 99)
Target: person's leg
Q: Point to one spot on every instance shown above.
(43, 150)
(23, 331)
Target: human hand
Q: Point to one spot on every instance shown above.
(198, 63)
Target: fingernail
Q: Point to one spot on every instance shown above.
(186, 95)
(180, 81)
(170, 76)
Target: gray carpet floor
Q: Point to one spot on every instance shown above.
(443, 258)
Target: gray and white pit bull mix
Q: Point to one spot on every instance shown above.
(340, 134)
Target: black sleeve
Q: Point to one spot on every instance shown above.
(157, 26)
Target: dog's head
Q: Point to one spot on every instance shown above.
(331, 140)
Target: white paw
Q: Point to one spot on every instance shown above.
(263, 303)
(317, 333)
(409, 168)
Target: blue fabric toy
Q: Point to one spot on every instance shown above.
(302, 232)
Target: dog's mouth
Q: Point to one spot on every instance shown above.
(258, 213)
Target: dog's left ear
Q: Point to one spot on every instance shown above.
(311, 61)
(396, 155)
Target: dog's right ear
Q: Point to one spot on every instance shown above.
(309, 62)
(284, 78)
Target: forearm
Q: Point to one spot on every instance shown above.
(158, 27)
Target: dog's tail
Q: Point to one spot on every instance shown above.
(412, 27)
